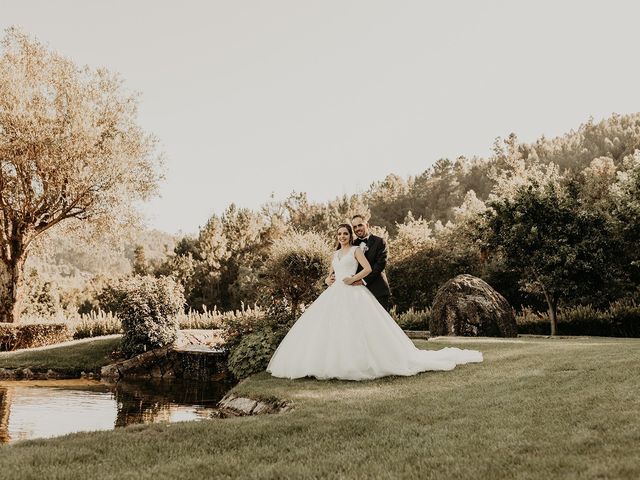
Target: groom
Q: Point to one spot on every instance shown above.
(375, 250)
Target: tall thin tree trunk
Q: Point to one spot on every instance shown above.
(552, 304)
(11, 291)
(554, 319)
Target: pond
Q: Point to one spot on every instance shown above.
(49, 408)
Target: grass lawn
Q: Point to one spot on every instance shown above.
(71, 357)
(536, 408)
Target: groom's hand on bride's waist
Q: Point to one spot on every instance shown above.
(357, 283)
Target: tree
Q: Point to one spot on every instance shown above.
(140, 264)
(70, 152)
(424, 255)
(389, 201)
(561, 250)
(625, 200)
(322, 217)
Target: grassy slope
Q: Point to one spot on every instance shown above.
(84, 355)
(535, 409)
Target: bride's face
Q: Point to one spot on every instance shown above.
(343, 236)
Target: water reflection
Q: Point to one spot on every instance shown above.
(39, 409)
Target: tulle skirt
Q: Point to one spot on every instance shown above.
(347, 334)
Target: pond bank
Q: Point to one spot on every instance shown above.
(495, 420)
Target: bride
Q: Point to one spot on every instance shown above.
(347, 334)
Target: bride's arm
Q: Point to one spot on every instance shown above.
(364, 263)
(331, 278)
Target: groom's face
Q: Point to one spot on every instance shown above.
(360, 227)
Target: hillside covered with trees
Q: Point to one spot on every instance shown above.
(550, 223)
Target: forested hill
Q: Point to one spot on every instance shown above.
(433, 195)
(70, 261)
(436, 192)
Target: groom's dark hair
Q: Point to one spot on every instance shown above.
(359, 215)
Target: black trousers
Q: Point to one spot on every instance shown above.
(385, 302)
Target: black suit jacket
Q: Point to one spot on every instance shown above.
(376, 253)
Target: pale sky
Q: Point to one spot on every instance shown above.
(250, 98)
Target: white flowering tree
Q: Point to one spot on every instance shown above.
(71, 152)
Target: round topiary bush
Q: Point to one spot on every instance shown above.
(147, 307)
(296, 267)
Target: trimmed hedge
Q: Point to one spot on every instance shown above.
(15, 336)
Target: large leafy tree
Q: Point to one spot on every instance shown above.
(70, 152)
(560, 249)
(625, 201)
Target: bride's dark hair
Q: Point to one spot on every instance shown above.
(349, 229)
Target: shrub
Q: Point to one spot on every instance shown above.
(625, 318)
(412, 319)
(532, 322)
(147, 307)
(214, 319)
(253, 338)
(253, 352)
(296, 267)
(40, 299)
(620, 319)
(416, 278)
(13, 337)
(96, 324)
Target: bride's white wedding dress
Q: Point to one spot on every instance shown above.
(347, 334)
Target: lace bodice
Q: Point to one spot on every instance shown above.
(344, 263)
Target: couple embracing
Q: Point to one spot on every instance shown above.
(347, 332)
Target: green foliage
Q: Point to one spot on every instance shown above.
(40, 298)
(278, 317)
(253, 352)
(435, 224)
(615, 137)
(412, 319)
(296, 268)
(96, 324)
(13, 337)
(217, 319)
(561, 249)
(147, 307)
(620, 319)
(140, 264)
(425, 256)
(322, 218)
(625, 200)
(220, 268)
(264, 330)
